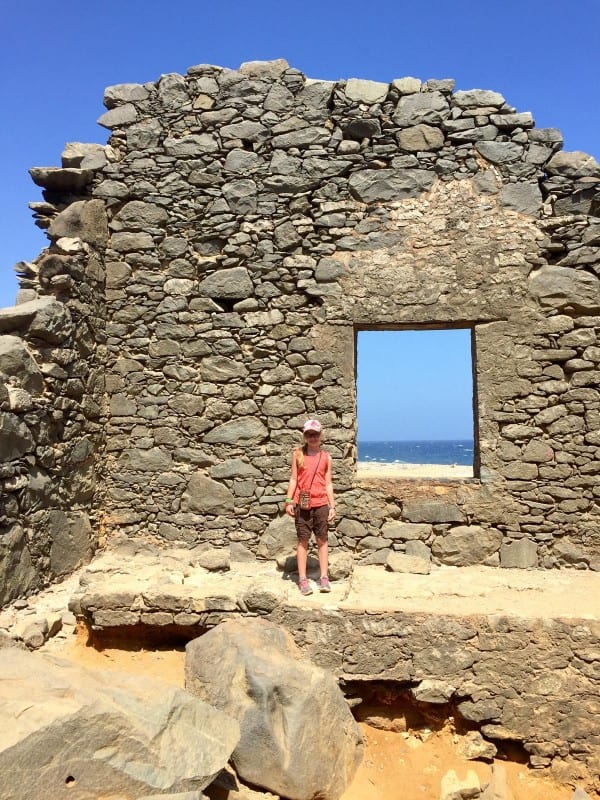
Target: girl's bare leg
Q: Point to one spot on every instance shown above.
(302, 557)
(323, 551)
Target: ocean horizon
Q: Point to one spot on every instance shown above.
(418, 451)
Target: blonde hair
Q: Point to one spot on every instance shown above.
(300, 453)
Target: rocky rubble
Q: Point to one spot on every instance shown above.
(492, 647)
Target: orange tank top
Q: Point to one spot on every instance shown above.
(313, 466)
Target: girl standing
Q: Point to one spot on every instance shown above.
(310, 501)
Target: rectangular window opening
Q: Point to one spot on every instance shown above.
(416, 404)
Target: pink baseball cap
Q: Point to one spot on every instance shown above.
(312, 425)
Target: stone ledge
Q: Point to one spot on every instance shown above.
(518, 651)
(171, 581)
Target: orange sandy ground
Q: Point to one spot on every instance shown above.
(396, 765)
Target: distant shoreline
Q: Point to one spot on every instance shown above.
(381, 469)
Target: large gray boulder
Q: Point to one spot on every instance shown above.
(298, 737)
(94, 733)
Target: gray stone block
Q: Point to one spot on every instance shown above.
(573, 164)
(17, 572)
(232, 283)
(433, 691)
(17, 360)
(373, 185)
(464, 545)
(71, 540)
(238, 431)
(525, 198)
(60, 180)
(84, 219)
(406, 530)
(521, 554)
(563, 287)
(368, 92)
(500, 152)
(279, 538)
(431, 511)
(402, 562)
(420, 137)
(16, 438)
(430, 108)
(118, 117)
(205, 496)
(474, 98)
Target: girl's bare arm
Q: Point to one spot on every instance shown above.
(293, 477)
(329, 489)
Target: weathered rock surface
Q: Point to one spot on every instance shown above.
(561, 287)
(454, 787)
(473, 746)
(17, 573)
(83, 219)
(466, 544)
(497, 788)
(93, 733)
(485, 639)
(16, 360)
(289, 710)
(57, 179)
(205, 496)
(279, 539)
(402, 562)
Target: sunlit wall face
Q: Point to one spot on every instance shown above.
(416, 386)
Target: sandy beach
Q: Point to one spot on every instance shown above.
(379, 469)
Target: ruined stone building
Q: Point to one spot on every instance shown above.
(208, 271)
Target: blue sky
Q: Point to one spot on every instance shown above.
(56, 58)
(414, 385)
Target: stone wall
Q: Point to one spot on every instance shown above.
(519, 680)
(51, 389)
(257, 220)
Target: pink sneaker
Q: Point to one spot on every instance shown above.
(304, 586)
(324, 585)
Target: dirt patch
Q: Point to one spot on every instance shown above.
(165, 664)
(411, 765)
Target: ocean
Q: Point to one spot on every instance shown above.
(451, 451)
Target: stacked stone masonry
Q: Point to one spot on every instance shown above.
(51, 395)
(213, 264)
